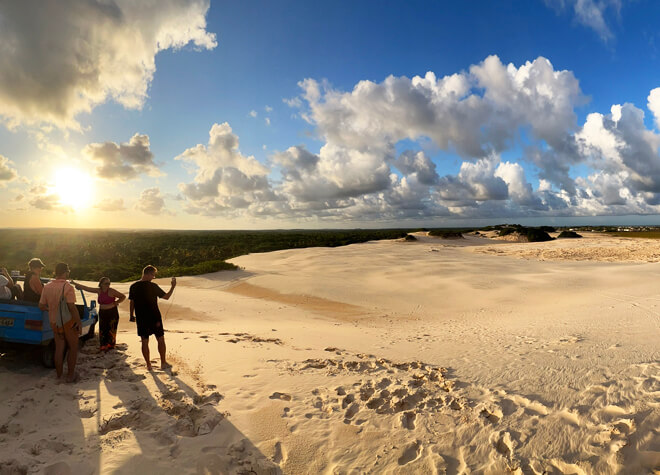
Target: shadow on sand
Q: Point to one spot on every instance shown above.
(118, 418)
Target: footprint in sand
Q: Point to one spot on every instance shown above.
(279, 395)
(280, 453)
(408, 420)
(492, 416)
(350, 412)
(410, 453)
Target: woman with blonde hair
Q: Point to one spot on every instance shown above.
(109, 299)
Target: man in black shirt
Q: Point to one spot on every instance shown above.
(144, 295)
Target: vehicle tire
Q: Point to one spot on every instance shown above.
(90, 333)
(48, 354)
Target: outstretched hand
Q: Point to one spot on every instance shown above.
(173, 282)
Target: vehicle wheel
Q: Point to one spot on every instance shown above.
(90, 333)
(48, 354)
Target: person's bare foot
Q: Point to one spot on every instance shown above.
(149, 367)
(73, 379)
(165, 366)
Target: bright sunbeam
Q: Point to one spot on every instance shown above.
(74, 188)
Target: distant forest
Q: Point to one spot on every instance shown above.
(121, 255)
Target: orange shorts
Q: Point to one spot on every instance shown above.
(67, 326)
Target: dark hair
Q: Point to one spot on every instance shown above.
(102, 279)
(61, 268)
(149, 270)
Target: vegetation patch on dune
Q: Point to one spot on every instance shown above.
(522, 233)
(568, 235)
(446, 234)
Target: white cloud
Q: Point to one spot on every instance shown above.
(654, 105)
(475, 181)
(7, 172)
(520, 191)
(225, 180)
(110, 204)
(123, 161)
(417, 163)
(357, 176)
(152, 202)
(267, 120)
(58, 59)
(591, 13)
(268, 109)
(253, 113)
(620, 144)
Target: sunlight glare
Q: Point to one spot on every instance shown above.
(74, 188)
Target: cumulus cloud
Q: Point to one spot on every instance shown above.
(654, 105)
(357, 174)
(475, 181)
(519, 190)
(335, 173)
(253, 113)
(417, 163)
(620, 144)
(7, 172)
(448, 110)
(225, 180)
(123, 161)
(108, 204)
(152, 202)
(58, 59)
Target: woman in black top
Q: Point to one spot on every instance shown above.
(32, 287)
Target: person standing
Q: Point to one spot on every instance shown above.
(32, 285)
(109, 300)
(144, 295)
(59, 298)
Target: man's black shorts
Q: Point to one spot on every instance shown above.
(150, 326)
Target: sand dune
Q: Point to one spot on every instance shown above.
(471, 356)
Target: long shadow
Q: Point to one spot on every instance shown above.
(176, 430)
(41, 421)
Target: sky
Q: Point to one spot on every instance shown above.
(197, 114)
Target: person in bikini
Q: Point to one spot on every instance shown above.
(109, 300)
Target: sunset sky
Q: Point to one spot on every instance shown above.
(245, 114)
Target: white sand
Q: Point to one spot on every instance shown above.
(465, 356)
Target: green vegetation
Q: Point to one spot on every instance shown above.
(121, 255)
(410, 238)
(532, 234)
(446, 234)
(638, 234)
(568, 234)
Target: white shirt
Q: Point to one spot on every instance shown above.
(5, 292)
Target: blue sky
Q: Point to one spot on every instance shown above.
(236, 115)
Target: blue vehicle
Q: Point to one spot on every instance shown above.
(23, 323)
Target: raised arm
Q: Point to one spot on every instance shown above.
(169, 293)
(93, 290)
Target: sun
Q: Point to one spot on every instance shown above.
(74, 188)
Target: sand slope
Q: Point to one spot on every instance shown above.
(471, 356)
